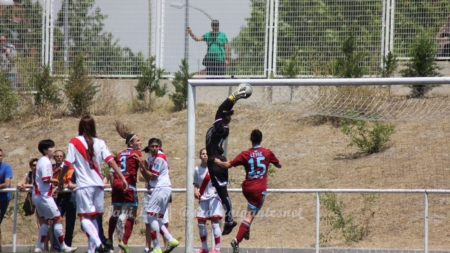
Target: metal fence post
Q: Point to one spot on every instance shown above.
(425, 221)
(317, 222)
(15, 222)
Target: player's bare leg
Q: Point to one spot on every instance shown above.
(244, 228)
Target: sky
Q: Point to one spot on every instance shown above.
(128, 21)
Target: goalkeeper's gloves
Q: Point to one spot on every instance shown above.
(237, 94)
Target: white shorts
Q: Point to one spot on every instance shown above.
(158, 202)
(144, 215)
(210, 208)
(46, 207)
(90, 201)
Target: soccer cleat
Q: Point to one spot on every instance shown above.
(202, 251)
(125, 248)
(172, 245)
(228, 227)
(235, 245)
(101, 249)
(156, 250)
(247, 235)
(109, 245)
(38, 250)
(69, 249)
(147, 250)
(215, 251)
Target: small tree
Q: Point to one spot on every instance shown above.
(180, 82)
(422, 64)
(47, 96)
(390, 64)
(79, 88)
(290, 69)
(350, 65)
(8, 98)
(148, 84)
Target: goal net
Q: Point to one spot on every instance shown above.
(294, 116)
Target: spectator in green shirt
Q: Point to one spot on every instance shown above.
(218, 53)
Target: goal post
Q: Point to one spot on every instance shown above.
(307, 96)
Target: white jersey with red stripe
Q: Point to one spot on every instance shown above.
(88, 171)
(44, 172)
(159, 166)
(202, 180)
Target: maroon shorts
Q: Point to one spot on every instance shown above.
(128, 197)
(255, 197)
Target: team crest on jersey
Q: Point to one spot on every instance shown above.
(156, 166)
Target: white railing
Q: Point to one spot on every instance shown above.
(317, 192)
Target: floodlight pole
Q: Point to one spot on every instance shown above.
(186, 35)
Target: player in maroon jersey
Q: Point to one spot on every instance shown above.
(256, 161)
(120, 198)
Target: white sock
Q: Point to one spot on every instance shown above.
(42, 235)
(90, 229)
(203, 235)
(58, 231)
(154, 225)
(217, 234)
(91, 245)
(165, 231)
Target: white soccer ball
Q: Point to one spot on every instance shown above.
(247, 88)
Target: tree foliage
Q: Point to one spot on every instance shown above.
(350, 65)
(314, 29)
(47, 92)
(149, 86)
(8, 98)
(180, 82)
(422, 64)
(104, 56)
(79, 89)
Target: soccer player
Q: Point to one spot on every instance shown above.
(209, 207)
(256, 161)
(43, 200)
(85, 153)
(128, 199)
(155, 169)
(215, 137)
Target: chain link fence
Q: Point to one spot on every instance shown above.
(117, 37)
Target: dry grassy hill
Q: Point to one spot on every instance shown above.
(313, 156)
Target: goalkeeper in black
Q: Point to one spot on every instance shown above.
(215, 137)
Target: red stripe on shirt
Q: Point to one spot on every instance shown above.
(109, 158)
(79, 146)
(204, 183)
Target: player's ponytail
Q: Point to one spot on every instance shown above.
(86, 128)
(124, 132)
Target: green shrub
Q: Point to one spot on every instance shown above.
(422, 64)
(79, 88)
(369, 138)
(352, 227)
(148, 85)
(8, 98)
(48, 93)
(180, 82)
